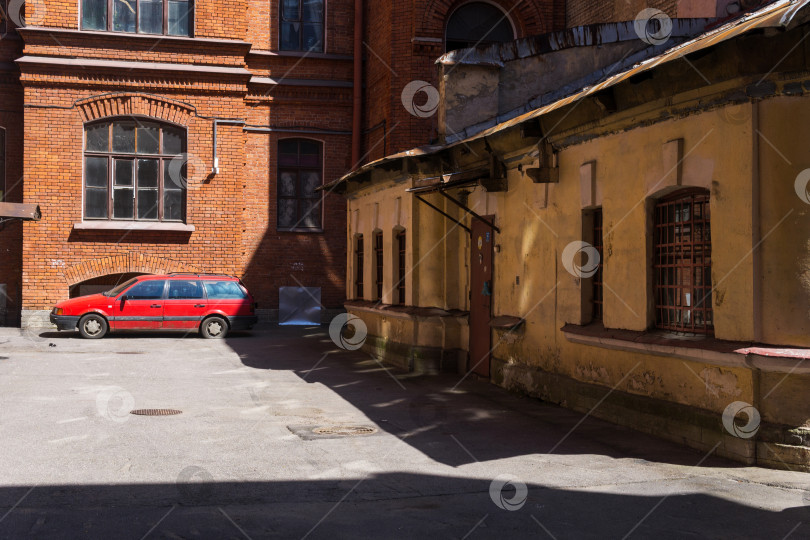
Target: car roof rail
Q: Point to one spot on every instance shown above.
(215, 274)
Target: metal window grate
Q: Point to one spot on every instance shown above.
(683, 292)
(596, 281)
(380, 261)
(358, 266)
(401, 281)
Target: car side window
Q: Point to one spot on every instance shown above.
(185, 290)
(146, 290)
(224, 290)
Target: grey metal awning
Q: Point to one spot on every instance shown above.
(25, 212)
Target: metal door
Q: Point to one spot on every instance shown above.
(481, 296)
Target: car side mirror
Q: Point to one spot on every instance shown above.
(124, 298)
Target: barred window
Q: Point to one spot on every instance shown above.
(159, 17)
(682, 263)
(134, 170)
(300, 172)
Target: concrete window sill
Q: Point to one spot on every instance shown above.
(132, 226)
(701, 349)
(403, 312)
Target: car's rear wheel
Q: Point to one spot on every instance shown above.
(93, 326)
(214, 328)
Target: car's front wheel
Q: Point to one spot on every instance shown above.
(214, 328)
(93, 326)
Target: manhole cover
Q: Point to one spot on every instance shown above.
(345, 431)
(155, 412)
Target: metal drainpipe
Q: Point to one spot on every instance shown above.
(215, 157)
(756, 228)
(357, 119)
(215, 160)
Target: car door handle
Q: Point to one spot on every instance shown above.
(155, 305)
(199, 305)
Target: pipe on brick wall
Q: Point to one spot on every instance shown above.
(357, 113)
(217, 122)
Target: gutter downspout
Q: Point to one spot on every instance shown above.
(756, 230)
(357, 113)
(214, 156)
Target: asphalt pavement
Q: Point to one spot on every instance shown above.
(279, 433)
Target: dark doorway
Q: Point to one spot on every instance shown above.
(481, 296)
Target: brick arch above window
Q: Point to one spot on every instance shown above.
(135, 104)
(525, 15)
(124, 263)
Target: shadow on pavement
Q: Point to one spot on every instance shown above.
(379, 506)
(487, 422)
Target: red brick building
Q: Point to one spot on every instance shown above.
(176, 135)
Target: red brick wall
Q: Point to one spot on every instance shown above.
(234, 212)
(582, 12)
(393, 58)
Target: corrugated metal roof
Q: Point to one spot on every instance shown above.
(783, 13)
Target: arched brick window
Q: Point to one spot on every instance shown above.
(300, 172)
(477, 23)
(159, 17)
(683, 262)
(134, 170)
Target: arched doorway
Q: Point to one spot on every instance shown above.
(477, 23)
(100, 284)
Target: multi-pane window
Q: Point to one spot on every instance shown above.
(401, 268)
(134, 170)
(379, 264)
(596, 280)
(359, 257)
(160, 17)
(300, 172)
(2, 164)
(302, 25)
(682, 251)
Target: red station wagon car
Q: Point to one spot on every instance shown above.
(210, 304)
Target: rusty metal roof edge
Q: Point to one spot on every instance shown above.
(563, 92)
(727, 31)
(580, 36)
(731, 29)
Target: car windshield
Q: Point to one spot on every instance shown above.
(116, 290)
